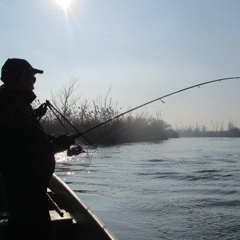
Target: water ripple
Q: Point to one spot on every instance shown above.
(181, 189)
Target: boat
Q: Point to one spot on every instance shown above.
(71, 218)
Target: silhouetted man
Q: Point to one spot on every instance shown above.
(26, 153)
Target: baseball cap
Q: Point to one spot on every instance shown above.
(15, 66)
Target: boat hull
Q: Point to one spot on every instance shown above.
(71, 218)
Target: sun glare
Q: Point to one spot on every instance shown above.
(65, 4)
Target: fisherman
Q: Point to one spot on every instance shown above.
(26, 153)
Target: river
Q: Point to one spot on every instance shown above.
(185, 188)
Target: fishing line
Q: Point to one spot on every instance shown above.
(55, 110)
(116, 131)
(109, 135)
(54, 113)
(75, 149)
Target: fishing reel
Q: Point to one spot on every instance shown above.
(77, 149)
(74, 150)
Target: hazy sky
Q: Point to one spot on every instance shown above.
(144, 49)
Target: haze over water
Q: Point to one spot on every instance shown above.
(185, 188)
(142, 49)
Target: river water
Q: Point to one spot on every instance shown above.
(186, 188)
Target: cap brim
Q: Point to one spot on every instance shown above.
(37, 71)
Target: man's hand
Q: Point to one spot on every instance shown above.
(41, 110)
(63, 142)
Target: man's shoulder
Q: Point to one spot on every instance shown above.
(5, 97)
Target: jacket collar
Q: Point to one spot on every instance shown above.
(8, 94)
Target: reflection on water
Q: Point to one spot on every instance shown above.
(179, 189)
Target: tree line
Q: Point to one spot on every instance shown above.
(232, 131)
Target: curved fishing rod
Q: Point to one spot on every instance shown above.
(75, 136)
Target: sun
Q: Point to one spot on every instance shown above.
(65, 4)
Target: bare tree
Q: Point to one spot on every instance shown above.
(64, 101)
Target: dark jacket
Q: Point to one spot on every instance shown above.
(25, 160)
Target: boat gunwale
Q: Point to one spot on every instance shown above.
(85, 215)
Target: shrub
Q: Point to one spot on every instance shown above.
(84, 116)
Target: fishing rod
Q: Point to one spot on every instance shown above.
(75, 136)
